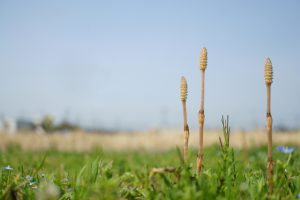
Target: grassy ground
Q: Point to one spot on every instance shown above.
(228, 174)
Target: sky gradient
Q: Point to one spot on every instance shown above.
(117, 64)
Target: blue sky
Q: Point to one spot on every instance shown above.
(118, 63)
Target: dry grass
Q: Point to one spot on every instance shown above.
(148, 141)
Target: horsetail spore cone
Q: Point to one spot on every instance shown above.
(183, 89)
(269, 80)
(203, 59)
(268, 72)
(183, 95)
(203, 65)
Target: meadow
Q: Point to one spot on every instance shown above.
(73, 166)
(228, 173)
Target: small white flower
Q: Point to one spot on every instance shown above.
(8, 168)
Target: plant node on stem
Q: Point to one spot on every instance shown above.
(203, 65)
(269, 80)
(186, 132)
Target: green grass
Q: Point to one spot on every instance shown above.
(107, 175)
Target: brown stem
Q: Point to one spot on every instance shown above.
(269, 133)
(186, 132)
(184, 114)
(201, 126)
(163, 170)
(202, 90)
(269, 98)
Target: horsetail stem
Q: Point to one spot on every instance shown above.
(183, 95)
(203, 65)
(269, 80)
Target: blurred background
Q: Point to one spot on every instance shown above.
(116, 65)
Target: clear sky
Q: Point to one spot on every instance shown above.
(119, 63)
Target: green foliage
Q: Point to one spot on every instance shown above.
(66, 126)
(104, 175)
(47, 123)
(228, 174)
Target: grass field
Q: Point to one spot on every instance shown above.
(98, 174)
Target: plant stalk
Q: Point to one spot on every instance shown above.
(269, 134)
(186, 132)
(201, 125)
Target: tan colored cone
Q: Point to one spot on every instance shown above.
(203, 59)
(268, 71)
(183, 89)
